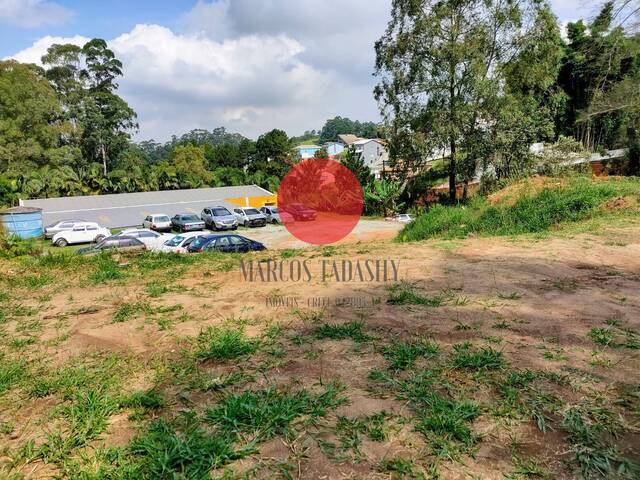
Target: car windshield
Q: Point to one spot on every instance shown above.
(162, 218)
(190, 218)
(220, 212)
(198, 242)
(251, 211)
(274, 210)
(175, 241)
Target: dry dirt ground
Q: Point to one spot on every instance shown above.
(550, 323)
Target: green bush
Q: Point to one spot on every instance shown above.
(578, 199)
(12, 246)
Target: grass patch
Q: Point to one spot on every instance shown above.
(466, 357)
(11, 371)
(402, 355)
(266, 413)
(406, 294)
(106, 270)
(217, 343)
(128, 311)
(352, 330)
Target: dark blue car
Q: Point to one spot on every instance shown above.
(225, 244)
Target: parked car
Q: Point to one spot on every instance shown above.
(404, 218)
(187, 222)
(61, 226)
(128, 244)
(272, 214)
(225, 244)
(301, 213)
(250, 217)
(219, 218)
(86, 232)
(180, 242)
(152, 240)
(158, 222)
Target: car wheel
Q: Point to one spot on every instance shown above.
(61, 242)
(99, 238)
(234, 228)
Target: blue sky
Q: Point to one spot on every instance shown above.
(248, 65)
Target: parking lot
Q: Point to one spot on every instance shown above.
(277, 236)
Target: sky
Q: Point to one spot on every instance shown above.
(247, 65)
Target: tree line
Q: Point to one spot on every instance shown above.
(484, 79)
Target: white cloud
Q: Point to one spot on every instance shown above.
(34, 53)
(32, 13)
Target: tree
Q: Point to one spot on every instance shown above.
(339, 125)
(356, 164)
(600, 75)
(85, 80)
(272, 154)
(31, 123)
(189, 162)
(442, 69)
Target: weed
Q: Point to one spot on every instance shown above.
(157, 289)
(22, 342)
(403, 354)
(465, 357)
(352, 330)
(180, 448)
(598, 359)
(586, 424)
(32, 281)
(269, 412)
(509, 295)
(404, 468)
(350, 430)
(405, 294)
(448, 418)
(106, 270)
(556, 355)
(501, 324)
(10, 372)
(216, 343)
(147, 399)
(601, 336)
(290, 252)
(128, 311)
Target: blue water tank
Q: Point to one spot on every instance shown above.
(24, 222)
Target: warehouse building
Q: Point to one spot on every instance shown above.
(130, 209)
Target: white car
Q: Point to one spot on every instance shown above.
(152, 240)
(250, 217)
(404, 218)
(180, 242)
(85, 232)
(158, 222)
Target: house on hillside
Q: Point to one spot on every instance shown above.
(348, 139)
(374, 154)
(304, 152)
(334, 148)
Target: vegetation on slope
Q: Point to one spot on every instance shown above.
(526, 209)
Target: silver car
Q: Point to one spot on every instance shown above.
(272, 214)
(60, 226)
(250, 217)
(219, 218)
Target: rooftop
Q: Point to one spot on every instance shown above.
(129, 209)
